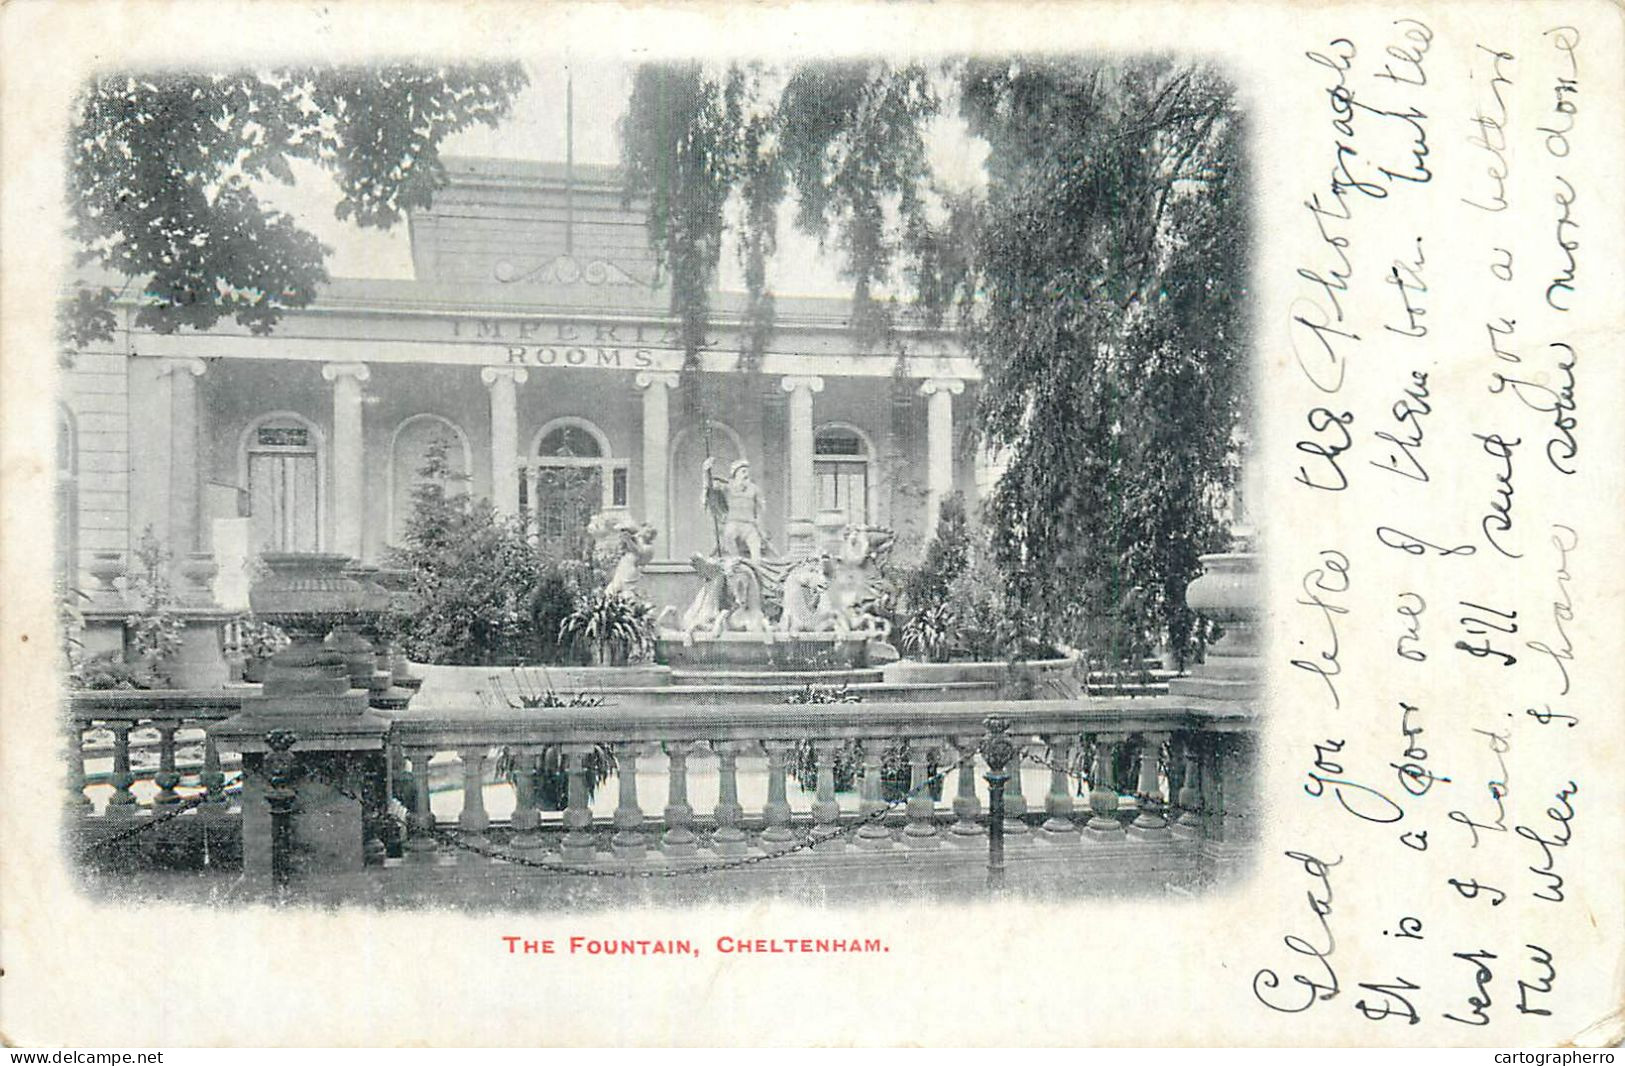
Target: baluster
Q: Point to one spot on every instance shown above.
(166, 778)
(776, 811)
(871, 807)
(1058, 803)
(473, 821)
(1149, 823)
(212, 778)
(728, 839)
(967, 807)
(122, 803)
(1103, 825)
(1015, 802)
(628, 841)
(826, 810)
(1213, 760)
(679, 838)
(76, 798)
(1189, 823)
(921, 829)
(578, 843)
(526, 819)
(422, 845)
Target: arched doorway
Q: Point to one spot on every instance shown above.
(282, 466)
(409, 451)
(843, 469)
(570, 477)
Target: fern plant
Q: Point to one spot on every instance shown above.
(617, 627)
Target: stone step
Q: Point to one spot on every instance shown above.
(736, 678)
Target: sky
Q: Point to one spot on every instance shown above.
(536, 131)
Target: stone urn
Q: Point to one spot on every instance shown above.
(310, 716)
(107, 568)
(1229, 593)
(199, 570)
(307, 594)
(397, 582)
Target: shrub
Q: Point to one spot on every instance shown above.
(109, 671)
(483, 594)
(155, 628)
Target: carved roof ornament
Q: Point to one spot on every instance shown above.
(565, 270)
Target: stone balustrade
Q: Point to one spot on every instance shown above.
(1162, 775)
(137, 757)
(1153, 774)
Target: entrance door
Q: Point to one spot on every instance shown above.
(283, 479)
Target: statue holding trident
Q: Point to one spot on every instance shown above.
(736, 510)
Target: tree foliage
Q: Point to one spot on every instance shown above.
(163, 168)
(1098, 278)
(846, 137)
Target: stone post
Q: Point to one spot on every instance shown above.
(939, 426)
(657, 386)
(349, 501)
(503, 383)
(308, 707)
(1217, 794)
(799, 530)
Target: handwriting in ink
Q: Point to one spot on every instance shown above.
(1323, 984)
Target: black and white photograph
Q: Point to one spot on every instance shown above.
(810, 525)
(545, 483)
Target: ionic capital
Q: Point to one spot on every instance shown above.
(176, 364)
(951, 386)
(794, 382)
(646, 378)
(335, 371)
(493, 374)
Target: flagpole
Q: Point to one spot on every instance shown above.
(569, 160)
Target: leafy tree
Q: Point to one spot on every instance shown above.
(1111, 265)
(847, 137)
(162, 170)
(1098, 280)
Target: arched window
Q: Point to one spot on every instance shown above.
(841, 467)
(408, 455)
(282, 464)
(570, 476)
(67, 498)
(688, 523)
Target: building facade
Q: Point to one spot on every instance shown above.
(535, 343)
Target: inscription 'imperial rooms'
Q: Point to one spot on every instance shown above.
(538, 342)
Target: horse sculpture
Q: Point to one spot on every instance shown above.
(729, 600)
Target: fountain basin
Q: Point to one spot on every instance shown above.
(748, 651)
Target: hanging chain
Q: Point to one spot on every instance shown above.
(168, 814)
(812, 840)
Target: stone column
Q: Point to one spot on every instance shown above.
(185, 514)
(799, 531)
(504, 382)
(657, 386)
(349, 499)
(939, 394)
